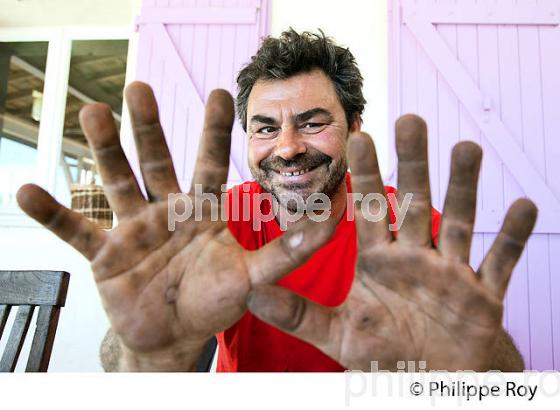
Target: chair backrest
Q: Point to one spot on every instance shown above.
(27, 290)
(207, 357)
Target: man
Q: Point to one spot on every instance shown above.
(343, 294)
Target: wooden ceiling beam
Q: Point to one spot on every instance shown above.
(81, 95)
(19, 95)
(109, 74)
(92, 90)
(89, 60)
(22, 75)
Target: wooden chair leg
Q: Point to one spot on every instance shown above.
(41, 347)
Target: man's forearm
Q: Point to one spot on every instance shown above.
(110, 352)
(114, 359)
(506, 357)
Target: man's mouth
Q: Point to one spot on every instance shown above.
(295, 173)
(292, 175)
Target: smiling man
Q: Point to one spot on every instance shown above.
(321, 296)
(299, 99)
(295, 149)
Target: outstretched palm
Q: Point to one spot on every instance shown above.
(166, 292)
(411, 301)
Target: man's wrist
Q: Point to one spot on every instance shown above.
(182, 359)
(505, 356)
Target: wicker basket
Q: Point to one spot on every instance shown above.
(90, 201)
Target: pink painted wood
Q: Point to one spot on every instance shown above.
(187, 48)
(175, 15)
(443, 12)
(493, 79)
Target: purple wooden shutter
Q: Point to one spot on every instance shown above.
(487, 71)
(186, 49)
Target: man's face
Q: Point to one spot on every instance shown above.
(297, 136)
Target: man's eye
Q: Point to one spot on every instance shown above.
(312, 127)
(266, 130)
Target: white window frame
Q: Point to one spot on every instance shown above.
(55, 90)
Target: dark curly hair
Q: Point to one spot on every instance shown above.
(293, 53)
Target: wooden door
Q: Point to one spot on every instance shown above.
(186, 49)
(487, 71)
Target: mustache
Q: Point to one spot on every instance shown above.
(306, 160)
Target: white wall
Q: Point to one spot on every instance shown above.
(358, 24)
(362, 26)
(18, 13)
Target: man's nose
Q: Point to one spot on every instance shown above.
(289, 144)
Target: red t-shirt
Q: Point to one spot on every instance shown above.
(326, 278)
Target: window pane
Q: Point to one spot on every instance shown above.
(22, 68)
(97, 73)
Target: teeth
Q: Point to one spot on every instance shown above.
(295, 173)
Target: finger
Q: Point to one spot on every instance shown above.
(371, 212)
(413, 178)
(288, 252)
(497, 266)
(460, 202)
(119, 183)
(71, 227)
(156, 164)
(212, 163)
(294, 315)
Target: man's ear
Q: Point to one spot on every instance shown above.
(356, 125)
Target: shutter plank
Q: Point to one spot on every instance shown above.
(549, 38)
(510, 109)
(448, 116)
(554, 269)
(540, 319)
(427, 84)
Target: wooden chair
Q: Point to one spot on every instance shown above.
(205, 361)
(28, 289)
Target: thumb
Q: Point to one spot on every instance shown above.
(295, 315)
(286, 253)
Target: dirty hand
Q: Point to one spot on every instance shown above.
(411, 301)
(166, 292)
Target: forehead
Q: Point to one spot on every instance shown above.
(295, 94)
